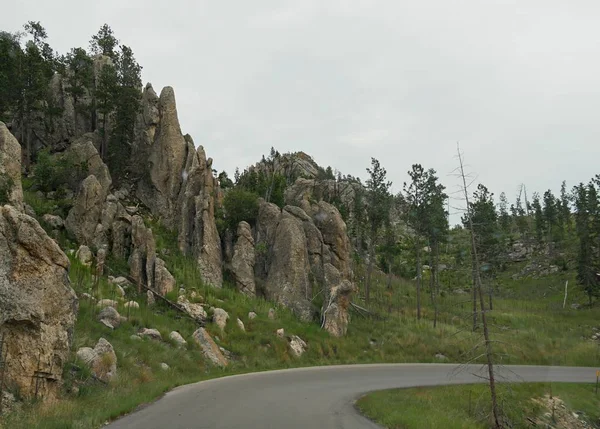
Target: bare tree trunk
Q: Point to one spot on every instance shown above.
(419, 278)
(477, 286)
(389, 276)
(435, 284)
(369, 270)
(474, 289)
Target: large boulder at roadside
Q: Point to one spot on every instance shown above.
(102, 360)
(209, 348)
(10, 169)
(38, 307)
(242, 262)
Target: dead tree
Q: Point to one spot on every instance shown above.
(478, 290)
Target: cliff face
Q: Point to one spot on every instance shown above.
(38, 308)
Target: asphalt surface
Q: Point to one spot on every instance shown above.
(317, 397)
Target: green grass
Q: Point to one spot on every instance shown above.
(468, 406)
(527, 323)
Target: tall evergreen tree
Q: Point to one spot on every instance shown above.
(378, 211)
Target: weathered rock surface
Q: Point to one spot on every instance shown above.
(243, 259)
(102, 360)
(10, 167)
(209, 348)
(38, 308)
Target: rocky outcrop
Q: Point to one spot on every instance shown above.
(10, 168)
(143, 256)
(289, 165)
(301, 251)
(38, 308)
(83, 152)
(243, 259)
(85, 214)
(287, 280)
(163, 282)
(180, 188)
(166, 161)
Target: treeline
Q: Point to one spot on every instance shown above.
(103, 81)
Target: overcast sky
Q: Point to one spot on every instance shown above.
(517, 83)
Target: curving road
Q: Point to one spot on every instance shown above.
(317, 397)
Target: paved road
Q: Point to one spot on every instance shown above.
(306, 398)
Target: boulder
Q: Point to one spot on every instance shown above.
(242, 262)
(252, 315)
(132, 304)
(178, 339)
(110, 317)
(107, 303)
(297, 345)
(164, 282)
(53, 221)
(220, 317)
(196, 311)
(10, 169)
(84, 255)
(209, 348)
(102, 360)
(241, 325)
(150, 298)
(153, 334)
(38, 308)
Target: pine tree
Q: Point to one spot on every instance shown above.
(378, 207)
(104, 42)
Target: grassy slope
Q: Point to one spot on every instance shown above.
(528, 321)
(466, 406)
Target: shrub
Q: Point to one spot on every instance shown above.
(240, 205)
(52, 172)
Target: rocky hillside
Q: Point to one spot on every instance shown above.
(290, 255)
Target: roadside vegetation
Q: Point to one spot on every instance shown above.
(523, 405)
